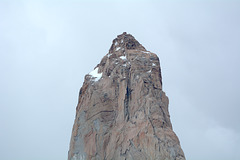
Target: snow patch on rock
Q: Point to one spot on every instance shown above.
(123, 57)
(145, 52)
(108, 55)
(95, 74)
(118, 48)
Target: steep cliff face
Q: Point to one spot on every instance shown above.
(122, 112)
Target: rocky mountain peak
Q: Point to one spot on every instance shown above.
(125, 42)
(122, 112)
(128, 54)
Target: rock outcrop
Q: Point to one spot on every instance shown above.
(122, 112)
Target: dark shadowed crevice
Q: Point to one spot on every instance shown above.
(126, 103)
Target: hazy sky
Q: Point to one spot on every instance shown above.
(46, 48)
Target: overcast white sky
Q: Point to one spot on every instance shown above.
(46, 48)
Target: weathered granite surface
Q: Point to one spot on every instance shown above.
(122, 112)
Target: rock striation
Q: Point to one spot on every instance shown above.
(122, 111)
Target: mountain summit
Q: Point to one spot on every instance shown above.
(122, 111)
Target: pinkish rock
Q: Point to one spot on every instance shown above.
(122, 113)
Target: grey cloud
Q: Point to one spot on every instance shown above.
(46, 48)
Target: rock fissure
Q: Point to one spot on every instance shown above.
(98, 113)
(126, 103)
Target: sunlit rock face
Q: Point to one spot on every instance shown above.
(122, 112)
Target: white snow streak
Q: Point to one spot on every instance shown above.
(123, 57)
(108, 55)
(95, 74)
(145, 52)
(118, 48)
